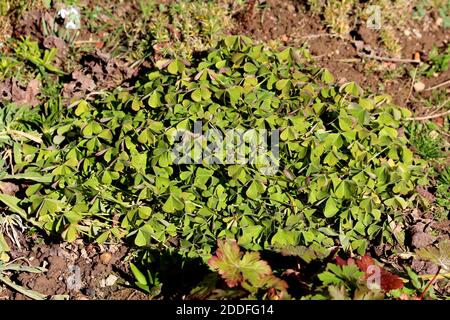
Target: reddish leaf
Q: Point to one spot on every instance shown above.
(365, 262)
(226, 262)
(390, 281)
(439, 121)
(341, 262)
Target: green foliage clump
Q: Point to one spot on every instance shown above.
(426, 141)
(185, 27)
(440, 7)
(438, 61)
(104, 169)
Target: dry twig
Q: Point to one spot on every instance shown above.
(389, 59)
(438, 85)
(431, 116)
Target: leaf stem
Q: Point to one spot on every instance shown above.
(430, 283)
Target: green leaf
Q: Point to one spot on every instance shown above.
(196, 95)
(330, 208)
(285, 55)
(139, 162)
(154, 100)
(141, 238)
(82, 107)
(352, 88)
(12, 203)
(103, 237)
(282, 84)
(3, 245)
(71, 233)
(389, 132)
(32, 176)
(173, 204)
(201, 177)
(327, 77)
(160, 64)
(206, 94)
(250, 234)
(288, 134)
(237, 172)
(255, 189)
(253, 269)
(137, 104)
(140, 277)
(230, 41)
(328, 278)
(345, 190)
(250, 68)
(285, 238)
(173, 67)
(235, 94)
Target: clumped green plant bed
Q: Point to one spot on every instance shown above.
(226, 168)
(104, 169)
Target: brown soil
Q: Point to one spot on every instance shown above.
(74, 271)
(288, 22)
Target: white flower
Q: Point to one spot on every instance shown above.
(62, 13)
(71, 25)
(71, 16)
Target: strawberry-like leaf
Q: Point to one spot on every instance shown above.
(365, 262)
(253, 269)
(439, 255)
(245, 269)
(227, 262)
(390, 281)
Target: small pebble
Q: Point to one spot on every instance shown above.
(417, 34)
(83, 253)
(90, 292)
(419, 86)
(111, 280)
(105, 257)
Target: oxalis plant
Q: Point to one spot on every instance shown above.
(106, 169)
